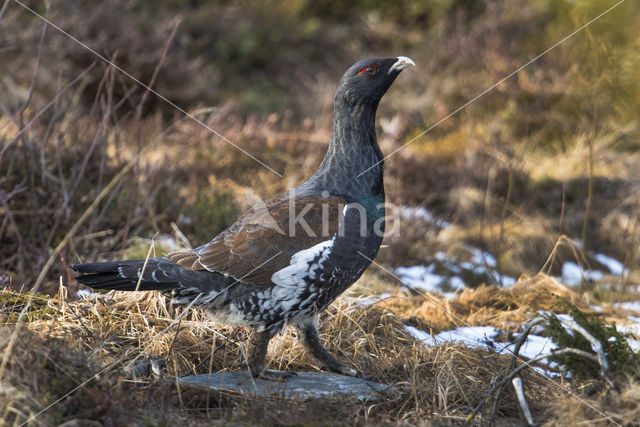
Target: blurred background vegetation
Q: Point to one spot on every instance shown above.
(552, 151)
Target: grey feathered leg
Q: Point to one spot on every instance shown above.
(311, 341)
(259, 354)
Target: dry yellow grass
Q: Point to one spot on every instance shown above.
(505, 308)
(77, 351)
(622, 407)
(79, 339)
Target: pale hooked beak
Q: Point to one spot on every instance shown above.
(402, 63)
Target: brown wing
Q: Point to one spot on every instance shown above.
(263, 240)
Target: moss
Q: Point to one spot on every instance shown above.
(12, 304)
(621, 358)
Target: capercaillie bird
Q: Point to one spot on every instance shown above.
(285, 260)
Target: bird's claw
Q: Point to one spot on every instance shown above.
(343, 370)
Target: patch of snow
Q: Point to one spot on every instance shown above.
(467, 265)
(572, 274)
(472, 336)
(614, 266)
(565, 317)
(534, 346)
(420, 277)
(483, 258)
(594, 275)
(484, 336)
(391, 126)
(420, 212)
(373, 299)
(88, 294)
(424, 277)
(630, 306)
(480, 270)
(167, 241)
(457, 283)
(454, 268)
(630, 329)
(186, 220)
(634, 344)
(420, 335)
(507, 281)
(634, 329)
(548, 373)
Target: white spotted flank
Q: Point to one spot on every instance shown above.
(290, 281)
(303, 264)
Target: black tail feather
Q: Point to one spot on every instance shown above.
(159, 274)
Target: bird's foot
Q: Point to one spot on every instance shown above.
(268, 374)
(343, 370)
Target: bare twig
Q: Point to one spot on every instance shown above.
(79, 222)
(505, 380)
(517, 385)
(179, 322)
(4, 8)
(5, 203)
(44, 109)
(36, 67)
(54, 256)
(516, 355)
(596, 345)
(523, 338)
(162, 97)
(163, 57)
(94, 144)
(66, 200)
(146, 260)
(498, 387)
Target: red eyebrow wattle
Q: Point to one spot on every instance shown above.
(364, 69)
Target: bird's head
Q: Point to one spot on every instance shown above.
(366, 81)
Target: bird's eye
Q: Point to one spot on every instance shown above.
(369, 69)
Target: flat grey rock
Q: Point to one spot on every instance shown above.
(303, 385)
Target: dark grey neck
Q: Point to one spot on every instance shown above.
(352, 151)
